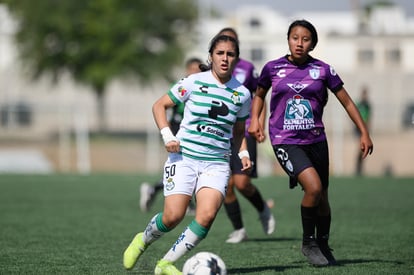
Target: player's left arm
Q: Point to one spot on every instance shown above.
(366, 144)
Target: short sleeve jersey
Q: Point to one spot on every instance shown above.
(211, 110)
(246, 73)
(298, 98)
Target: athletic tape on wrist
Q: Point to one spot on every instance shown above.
(167, 135)
(243, 154)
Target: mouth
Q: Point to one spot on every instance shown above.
(224, 67)
(299, 51)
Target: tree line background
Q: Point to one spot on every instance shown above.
(97, 41)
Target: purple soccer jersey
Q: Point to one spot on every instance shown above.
(246, 74)
(299, 95)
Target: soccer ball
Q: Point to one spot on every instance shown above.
(204, 263)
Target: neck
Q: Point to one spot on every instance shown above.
(298, 61)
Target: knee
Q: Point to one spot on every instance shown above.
(171, 219)
(315, 192)
(206, 219)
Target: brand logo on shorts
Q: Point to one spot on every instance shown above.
(170, 184)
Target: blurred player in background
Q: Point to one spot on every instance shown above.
(245, 72)
(148, 192)
(299, 85)
(364, 107)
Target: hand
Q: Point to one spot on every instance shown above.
(256, 131)
(247, 165)
(367, 146)
(173, 146)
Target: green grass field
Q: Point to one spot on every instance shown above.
(70, 224)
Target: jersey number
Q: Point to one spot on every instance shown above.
(169, 171)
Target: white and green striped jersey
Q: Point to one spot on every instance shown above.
(211, 109)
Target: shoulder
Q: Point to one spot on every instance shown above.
(245, 64)
(277, 63)
(321, 64)
(329, 69)
(236, 85)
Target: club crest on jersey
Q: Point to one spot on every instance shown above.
(314, 73)
(235, 97)
(182, 91)
(170, 184)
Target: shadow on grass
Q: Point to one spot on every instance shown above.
(361, 261)
(272, 239)
(262, 269)
(300, 265)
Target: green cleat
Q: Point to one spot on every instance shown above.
(165, 267)
(134, 250)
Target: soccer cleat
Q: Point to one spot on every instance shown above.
(237, 236)
(146, 196)
(134, 250)
(165, 267)
(311, 251)
(327, 252)
(268, 221)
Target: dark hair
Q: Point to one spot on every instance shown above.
(229, 29)
(225, 38)
(193, 60)
(218, 38)
(306, 24)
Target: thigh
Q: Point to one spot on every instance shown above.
(292, 158)
(214, 175)
(319, 155)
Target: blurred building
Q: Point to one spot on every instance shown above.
(374, 50)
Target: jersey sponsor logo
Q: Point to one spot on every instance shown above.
(314, 73)
(204, 89)
(218, 108)
(210, 130)
(298, 114)
(297, 86)
(182, 91)
(281, 73)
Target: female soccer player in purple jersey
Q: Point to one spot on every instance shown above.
(299, 85)
(245, 72)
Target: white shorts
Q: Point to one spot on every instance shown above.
(183, 175)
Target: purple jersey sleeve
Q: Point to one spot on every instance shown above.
(246, 74)
(298, 98)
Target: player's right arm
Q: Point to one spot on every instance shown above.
(255, 129)
(159, 111)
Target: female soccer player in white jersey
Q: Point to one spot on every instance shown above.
(299, 85)
(216, 107)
